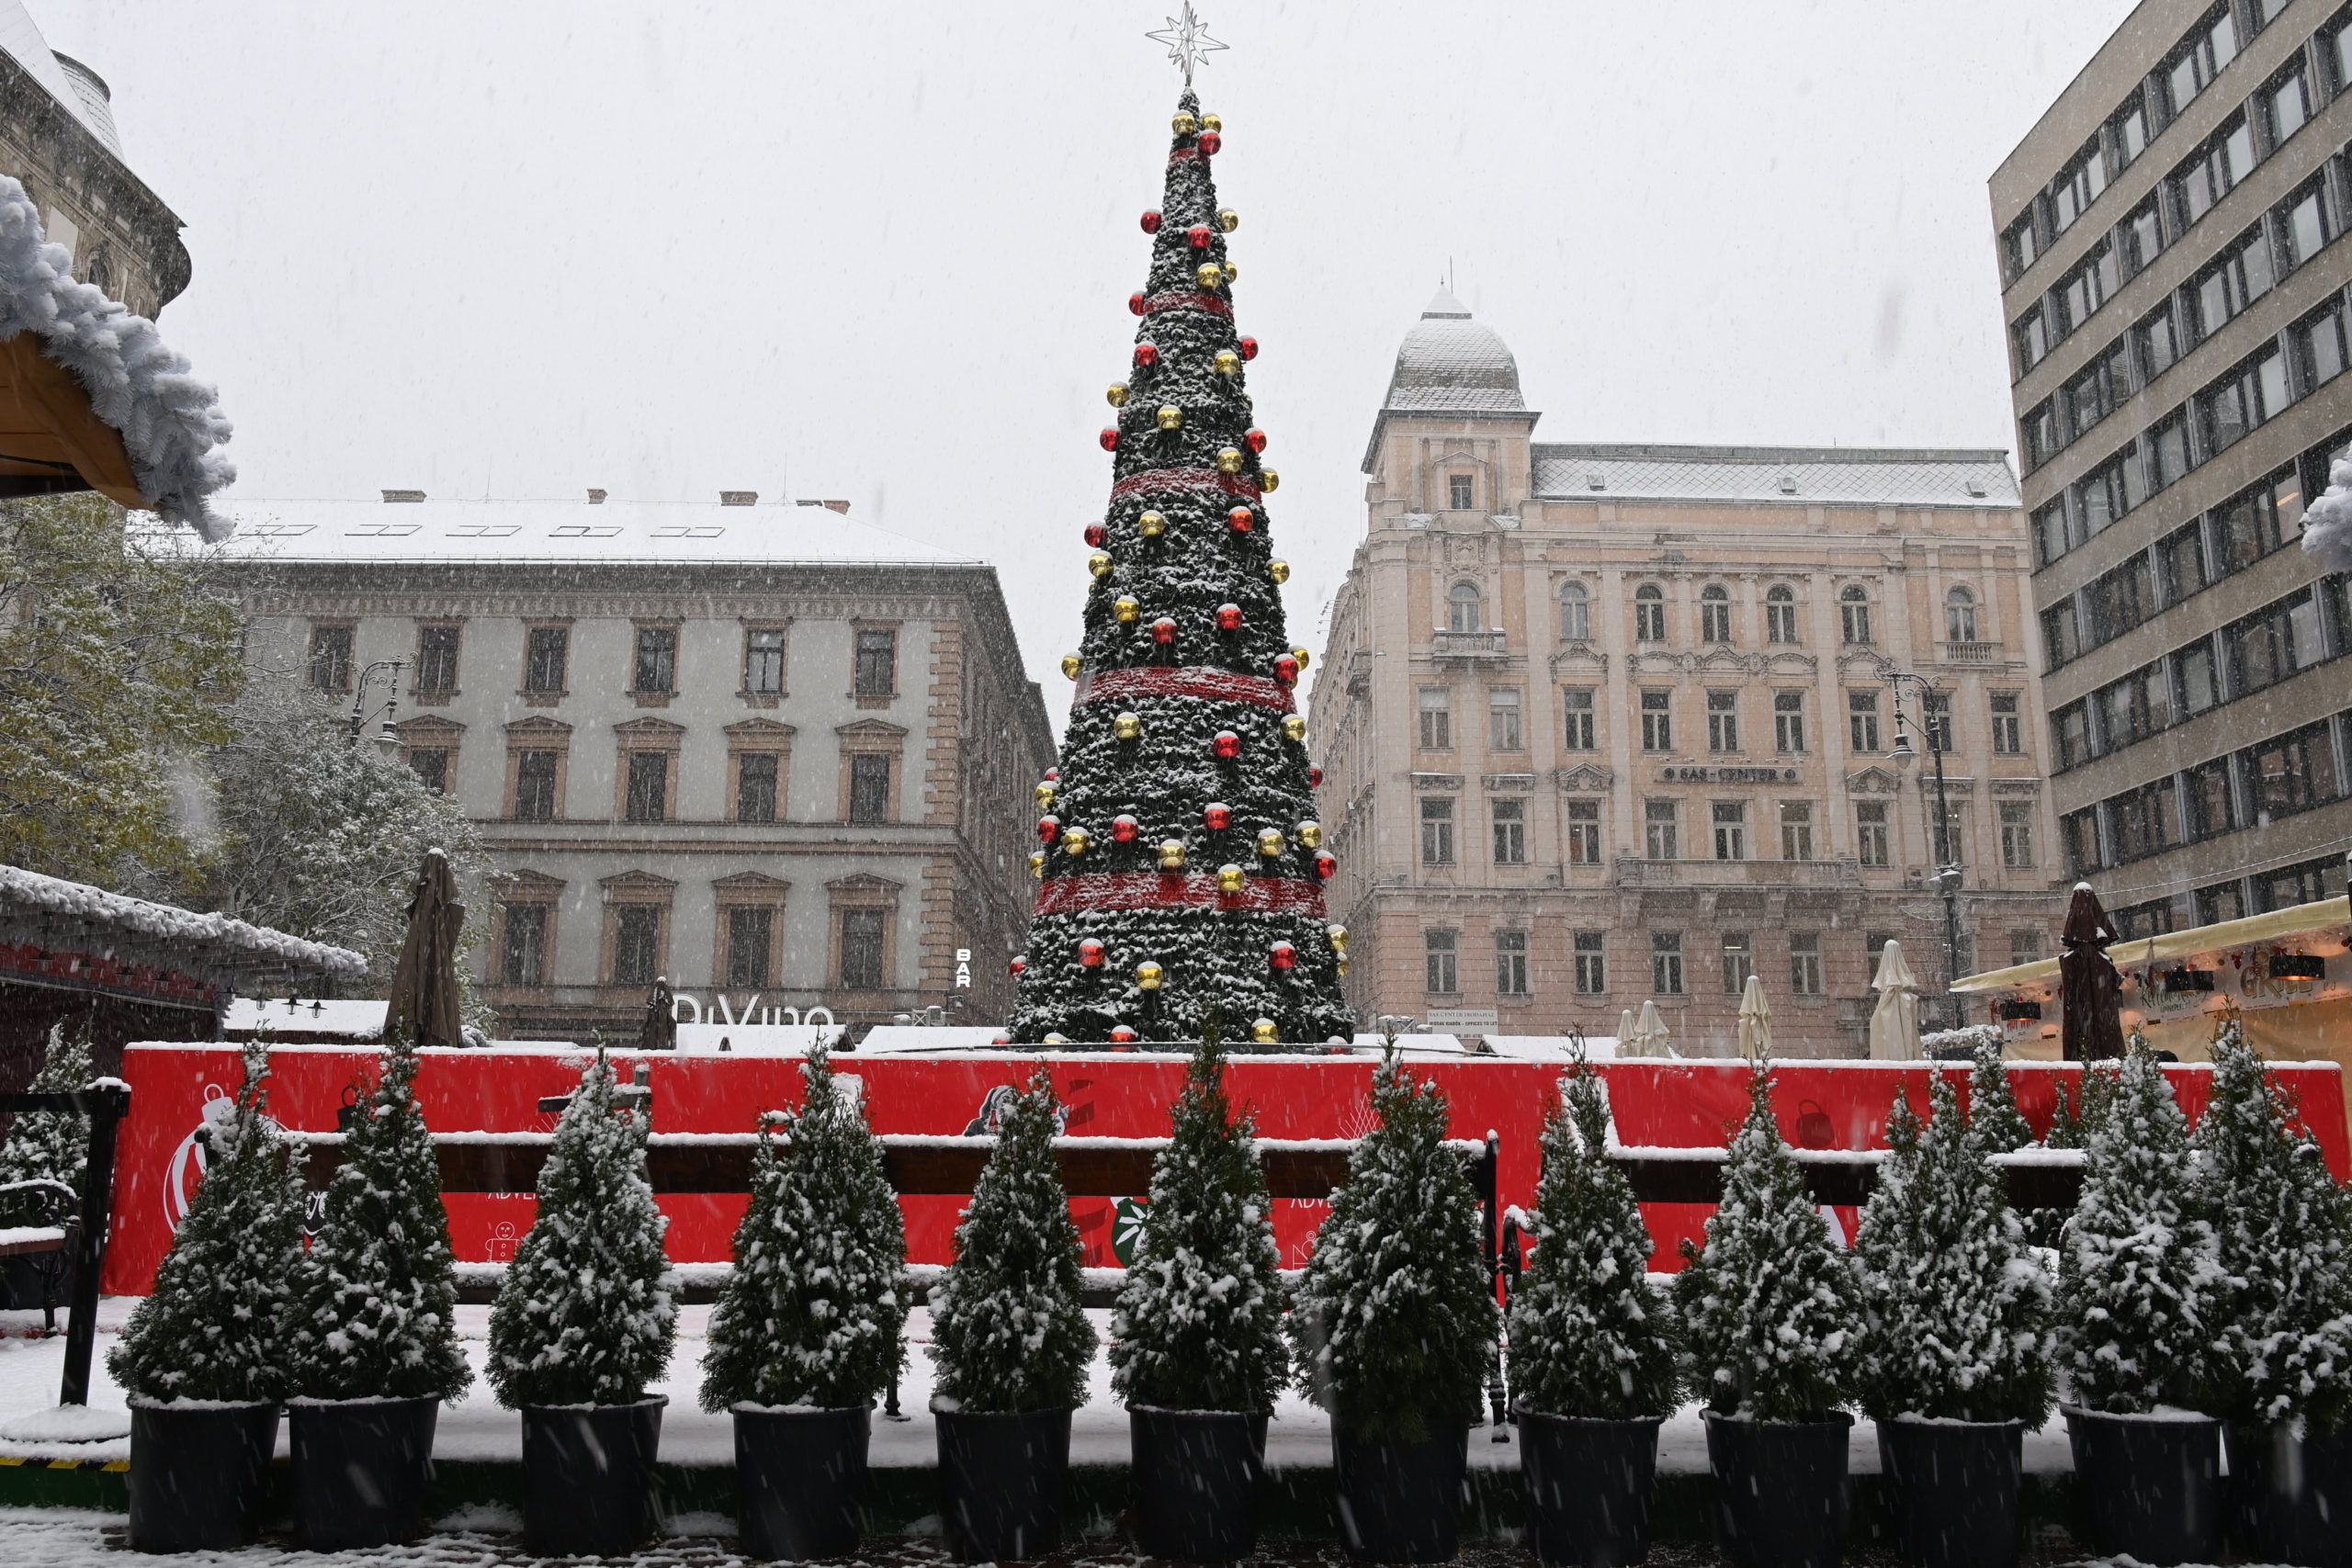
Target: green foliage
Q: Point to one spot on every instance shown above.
(1770, 1307)
(590, 1305)
(1994, 1119)
(1590, 1335)
(1199, 1324)
(50, 1146)
(1395, 1323)
(376, 1300)
(1007, 1331)
(119, 655)
(816, 1310)
(214, 1328)
(1957, 1321)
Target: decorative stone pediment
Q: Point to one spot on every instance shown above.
(1727, 662)
(2027, 787)
(523, 883)
(527, 729)
(1587, 777)
(759, 731)
(1871, 780)
(425, 731)
(865, 887)
(1785, 663)
(1507, 783)
(870, 730)
(1953, 784)
(744, 883)
(1437, 780)
(640, 884)
(648, 729)
(1581, 657)
(1860, 663)
(1661, 663)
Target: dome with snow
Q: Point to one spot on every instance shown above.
(1448, 361)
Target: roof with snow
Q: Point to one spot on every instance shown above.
(1450, 361)
(61, 910)
(568, 532)
(65, 77)
(1798, 476)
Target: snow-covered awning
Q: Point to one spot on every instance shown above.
(57, 910)
(90, 395)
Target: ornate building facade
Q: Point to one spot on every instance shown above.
(1607, 723)
(760, 752)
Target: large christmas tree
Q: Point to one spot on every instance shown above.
(1181, 862)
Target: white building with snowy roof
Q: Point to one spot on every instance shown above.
(778, 756)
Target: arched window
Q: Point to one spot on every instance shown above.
(1576, 613)
(1715, 614)
(1960, 616)
(1779, 613)
(1462, 609)
(1854, 609)
(1649, 614)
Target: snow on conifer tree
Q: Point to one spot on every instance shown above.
(1199, 1323)
(375, 1308)
(1182, 865)
(1770, 1310)
(1008, 1333)
(50, 1146)
(816, 1310)
(1957, 1324)
(1994, 1119)
(2282, 1340)
(1590, 1335)
(2138, 1266)
(214, 1326)
(1394, 1323)
(590, 1303)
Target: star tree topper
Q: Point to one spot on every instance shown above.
(1187, 40)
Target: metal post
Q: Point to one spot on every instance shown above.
(1489, 1179)
(106, 1108)
(1947, 872)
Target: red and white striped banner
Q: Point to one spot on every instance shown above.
(1176, 890)
(1187, 300)
(1189, 681)
(1198, 481)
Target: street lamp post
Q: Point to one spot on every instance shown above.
(388, 740)
(1948, 874)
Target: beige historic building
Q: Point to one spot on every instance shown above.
(2175, 281)
(1606, 723)
(763, 751)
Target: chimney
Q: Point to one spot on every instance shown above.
(839, 506)
(595, 498)
(396, 496)
(739, 498)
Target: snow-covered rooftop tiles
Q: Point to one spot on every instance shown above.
(1795, 476)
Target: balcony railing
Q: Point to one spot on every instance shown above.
(1971, 653)
(1469, 645)
(1635, 872)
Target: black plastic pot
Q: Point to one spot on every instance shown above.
(361, 1467)
(1779, 1491)
(1196, 1476)
(2149, 1486)
(1955, 1486)
(1589, 1488)
(801, 1479)
(1401, 1501)
(199, 1478)
(2290, 1497)
(1002, 1481)
(588, 1477)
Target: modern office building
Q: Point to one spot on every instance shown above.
(2174, 283)
(760, 751)
(1606, 723)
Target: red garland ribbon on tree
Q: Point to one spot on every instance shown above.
(1187, 301)
(1187, 481)
(1189, 681)
(1175, 890)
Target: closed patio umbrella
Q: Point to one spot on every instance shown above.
(1755, 1022)
(1894, 1022)
(2089, 991)
(424, 1006)
(1626, 1044)
(1649, 1029)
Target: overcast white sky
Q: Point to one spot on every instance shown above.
(883, 252)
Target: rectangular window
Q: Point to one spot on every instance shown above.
(331, 659)
(2292, 773)
(2099, 391)
(1437, 719)
(2224, 901)
(763, 662)
(869, 787)
(431, 765)
(1730, 818)
(1584, 833)
(2070, 735)
(2143, 821)
(437, 660)
(1739, 962)
(2196, 679)
(755, 787)
(1714, 617)
(1780, 616)
(637, 944)
(1869, 833)
(2180, 562)
(2335, 42)
(2008, 729)
(2212, 170)
(1459, 492)
(1953, 849)
(2050, 536)
(2085, 289)
(657, 660)
(1592, 963)
(1796, 829)
(648, 786)
(546, 654)
(2119, 602)
(2211, 44)
(1503, 730)
(1805, 963)
(1510, 964)
(1941, 734)
(2242, 275)
(2273, 643)
(2021, 244)
(2017, 837)
(1788, 721)
(863, 931)
(1861, 722)
(1665, 962)
(1657, 722)
(535, 786)
(2077, 185)
(2134, 708)
(877, 674)
(1436, 832)
(2167, 451)
(1723, 721)
(1576, 701)
(2059, 634)
(523, 958)
(1444, 978)
(2158, 342)
(2287, 103)
(2079, 830)
(2043, 440)
(1510, 832)
(749, 932)
(2212, 805)
(2241, 399)
(2026, 946)
(2143, 235)
(1661, 822)
(2322, 346)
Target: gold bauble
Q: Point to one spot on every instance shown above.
(1045, 797)
(1183, 125)
(1127, 727)
(1148, 975)
(1228, 219)
(1232, 272)
(1343, 968)
(1076, 840)
(1279, 570)
(1037, 865)
(1172, 417)
(1117, 394)
(1126, 610)
(1339, 935)
(1151, 524)
(1210, 275)
(1293, 727)
(1227, 362)
(1264, 1033)
(1228, 879)
(1270, 842)
(1228, 460)
(1212, 122)
(1269, 481)
(1071, 665)
(1311, 834)
(1099, 563)
(1299, 654)
(1172, 855)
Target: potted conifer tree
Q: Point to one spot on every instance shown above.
(583, 1323)
(1956, 1344)
(1592, 1347)
(203, 1358)
(1771, 1317)
(1196, 1341)
(2281, 1368)
(2136, 1282)
(372, 1330)
(1394, 1327)
(1012, 1345)
(810, 1327)
(1994, 1123)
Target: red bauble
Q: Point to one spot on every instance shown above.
(1052, 774)
(1152, 223)
(1109, 441)
(1048, 829)
(1089, 952)
(1286, 670)
(1218, 815)
(1257, 440)
(1163, 631)
(1249, 348)
(1228, 745)
(1200, 236)
(1135, 304)
(1146, 356)
(1096, 534)
(1283, 955)
(1122, 829)
(1122, 1035)
(1241, 519)
(1313, 777)
(1327, 866)
(1019, 964)
(1210, 142)
(1228, 617)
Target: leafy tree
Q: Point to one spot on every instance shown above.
(50, 1145)
(375, 1307)
(1199, 1323)
(1007, 1331)
(214, 1328)
(1590, 1335)
(1770, 1307)
(816, 1309)
(1994, 1119)
(590, 1304)
(1394, 1324)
